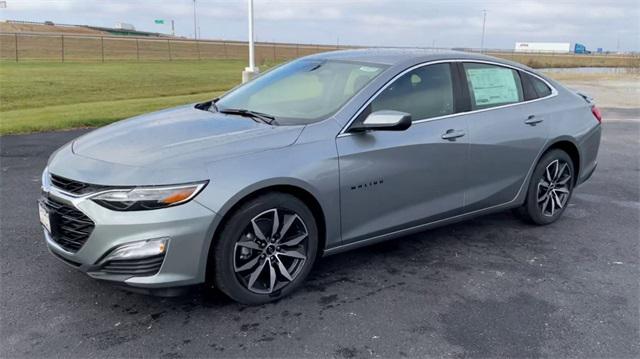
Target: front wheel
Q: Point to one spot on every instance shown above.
(266, 249)
(550, 189)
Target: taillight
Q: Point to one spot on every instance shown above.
(596, 113)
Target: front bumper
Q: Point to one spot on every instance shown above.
(188, 228)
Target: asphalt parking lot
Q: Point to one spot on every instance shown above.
(490, 287)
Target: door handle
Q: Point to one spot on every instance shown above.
(452, 134)
(532, 120)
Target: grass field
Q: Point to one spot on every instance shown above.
(49, 96)
(42, 96)
(540, 60)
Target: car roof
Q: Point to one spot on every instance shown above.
(395, 56)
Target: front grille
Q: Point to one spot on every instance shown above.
(70, 228)
(137, 267)
(75, 187)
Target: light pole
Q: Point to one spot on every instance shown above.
(251, 71)
(195, 33)
(484, 21)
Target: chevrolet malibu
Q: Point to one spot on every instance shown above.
(320, 155)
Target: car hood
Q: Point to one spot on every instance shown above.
(181, 137)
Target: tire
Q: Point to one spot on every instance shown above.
(545, 204)
(246, 256)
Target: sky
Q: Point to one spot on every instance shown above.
(611, 24)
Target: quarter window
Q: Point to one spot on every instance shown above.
(491, 86)
(425, 92)
(541, 88)
(534, 88)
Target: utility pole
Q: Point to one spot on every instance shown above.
(173, 28)
(195, 34)
(251, 71)
(484, 21)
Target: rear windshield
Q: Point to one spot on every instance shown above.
(303, 91)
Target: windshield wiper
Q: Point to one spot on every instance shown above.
(258, 116)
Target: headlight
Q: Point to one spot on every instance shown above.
(144, 198)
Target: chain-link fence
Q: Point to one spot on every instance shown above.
(57, 47)
(74, 48)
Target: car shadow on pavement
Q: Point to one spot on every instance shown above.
(425, 255)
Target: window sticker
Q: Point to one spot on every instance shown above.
(493, 86)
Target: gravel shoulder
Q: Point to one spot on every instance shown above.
(617, 90)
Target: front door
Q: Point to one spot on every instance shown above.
(394, 180)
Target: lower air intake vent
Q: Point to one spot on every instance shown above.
(136, 267)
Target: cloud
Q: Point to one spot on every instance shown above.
(453, 23)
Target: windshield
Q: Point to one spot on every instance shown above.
(301, 92)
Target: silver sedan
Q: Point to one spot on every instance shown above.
(320, 155)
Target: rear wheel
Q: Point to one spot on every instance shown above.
(266, 249)
(550, 189)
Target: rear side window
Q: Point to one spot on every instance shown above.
(491, 85)
(425, 92)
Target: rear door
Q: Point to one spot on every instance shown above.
(507, 130)
(394, 180)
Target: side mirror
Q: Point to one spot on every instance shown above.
(384, 121)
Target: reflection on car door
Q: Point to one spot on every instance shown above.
(392, 180)
(504, 140)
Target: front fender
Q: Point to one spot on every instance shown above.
(311, 167)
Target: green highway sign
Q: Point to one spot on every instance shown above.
(159, 21)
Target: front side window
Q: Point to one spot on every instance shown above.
(425, 92)
(302, 92)
(491, 86)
